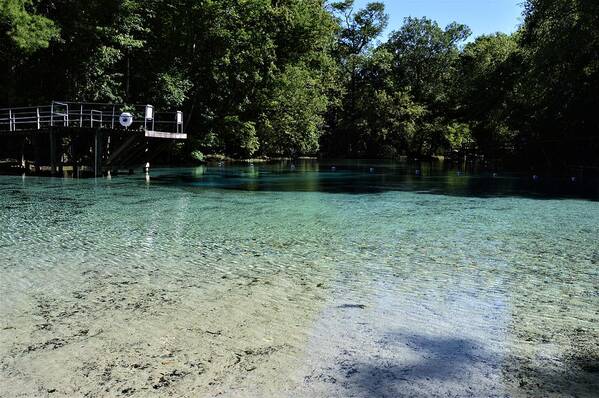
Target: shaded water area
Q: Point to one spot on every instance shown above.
(344, 280)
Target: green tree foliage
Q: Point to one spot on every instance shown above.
(560, 41)
(388, 117)
(307, 77)
(425, 58)
(425, 62)
(490, 68)
(292, 121)
(27, 30)
(356, 34)
(23, 32)
(358, 29)
(259, 72)
(400, 97)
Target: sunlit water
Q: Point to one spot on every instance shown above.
(356, 280)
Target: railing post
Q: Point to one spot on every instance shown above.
(179, 120)
(81, 116)
(52, 152)
(92, 120)
(149, 115)
(98, 143)
(37, 111)
(112, 121)
(9, 120)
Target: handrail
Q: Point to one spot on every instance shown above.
(24, 107)
(70, 114)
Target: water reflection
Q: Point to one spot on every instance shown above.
(360, 177)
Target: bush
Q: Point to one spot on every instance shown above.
(197, 155)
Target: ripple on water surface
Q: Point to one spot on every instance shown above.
(268, 280)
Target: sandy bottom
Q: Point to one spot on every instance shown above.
(275, 336)
(117, 337)
(130, 288)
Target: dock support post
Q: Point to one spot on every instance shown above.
(98, 153)
(147, 158)
(108, 154)
(52, 152)
(147, 162)
(35, 140)
(61, 156)
(23, 162)
(74, 156)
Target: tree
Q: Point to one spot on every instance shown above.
(490, 70)
(306, 77)
(425, 63)
(560, 42)
(356, 34)
(425, 57)
(27, 30)
(23, 33)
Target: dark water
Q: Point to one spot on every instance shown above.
(362, 177)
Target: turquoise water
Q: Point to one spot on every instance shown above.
(272, 280)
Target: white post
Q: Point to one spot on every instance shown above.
(81, 116)
(37, 111)
(112, 123)
(52, 114)
(179, 122)
(9, 120)
(149, 115)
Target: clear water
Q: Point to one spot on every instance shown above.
(269, 280)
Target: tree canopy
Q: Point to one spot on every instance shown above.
(308, 77)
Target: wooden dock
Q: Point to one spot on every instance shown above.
(86, 139)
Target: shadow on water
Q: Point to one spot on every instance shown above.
(453, 366)
(441, 361)
(362, 177)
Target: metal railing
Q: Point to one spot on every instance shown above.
(89, 115)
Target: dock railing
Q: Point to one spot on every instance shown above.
(66, 114)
